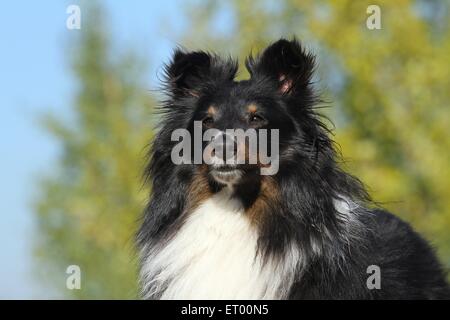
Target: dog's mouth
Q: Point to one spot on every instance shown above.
(226, 174)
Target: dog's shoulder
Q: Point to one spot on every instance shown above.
(402, 253)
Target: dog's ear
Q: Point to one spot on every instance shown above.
(287, 63)
(189, 72)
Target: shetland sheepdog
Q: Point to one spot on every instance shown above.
(307, 230)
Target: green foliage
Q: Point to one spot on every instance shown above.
(88, 210)
(388, 88)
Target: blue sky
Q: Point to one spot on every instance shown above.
(34, 78)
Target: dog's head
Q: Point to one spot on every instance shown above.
(239, 129)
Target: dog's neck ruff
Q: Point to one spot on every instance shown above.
(214, 256)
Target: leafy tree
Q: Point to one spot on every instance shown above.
(88, 209)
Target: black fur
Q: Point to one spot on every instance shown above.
(336, 248)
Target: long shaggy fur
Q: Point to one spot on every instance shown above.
(307, 232)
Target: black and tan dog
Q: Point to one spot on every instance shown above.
(308, 231)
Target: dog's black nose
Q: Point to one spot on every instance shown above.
(225, 148)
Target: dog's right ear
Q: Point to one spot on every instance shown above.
(287, 64)
(189, 72)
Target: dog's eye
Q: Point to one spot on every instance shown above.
(208, 121)
(256, 119)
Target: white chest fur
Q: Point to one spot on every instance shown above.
(213, 256)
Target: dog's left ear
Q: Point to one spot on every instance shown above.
(287, 63)
(189, 72)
